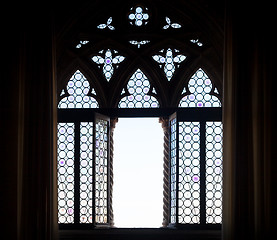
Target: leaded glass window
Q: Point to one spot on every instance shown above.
(138, 16)
(196, 172)
(86, 172)
(214, 172)
(110, 60)
(189, 173)
(66, 172)
(107, 25)
(78, 93)
(139, 43)
(200, 93)
(196, 156)
(169, 24)
(83, 157)
(140, 93)
(139, 62)
(83, 152)
(169, 61)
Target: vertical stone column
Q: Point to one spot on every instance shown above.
(112, 127)
(166, 173)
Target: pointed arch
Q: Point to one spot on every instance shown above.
(138, 93)
(151, 72)
(78, 93)
(199, 92)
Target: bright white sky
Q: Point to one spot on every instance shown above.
(138, 173)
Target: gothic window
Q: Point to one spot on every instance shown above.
(139, 64)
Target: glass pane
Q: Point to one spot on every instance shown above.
(139, 43)
(109, 60)
(189, 172)
(173, 169)
(107, 25)
(101, 172)
(199, 89)
(138, 16)
(169, 61)
(65, 172)
(86, 169)
(214, 172)
(170, 24)
(139, 93)
(78, 90)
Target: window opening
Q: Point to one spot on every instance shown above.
(138, 167)
(141, 93)
(108, 61)
(169, 61)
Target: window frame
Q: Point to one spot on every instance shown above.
(77, 116)
(201, 115)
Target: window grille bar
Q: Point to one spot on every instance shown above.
(202, 172)
(94, 172)
(77, 174)
(177, 170)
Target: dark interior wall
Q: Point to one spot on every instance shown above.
(249, 162)
(27, 123)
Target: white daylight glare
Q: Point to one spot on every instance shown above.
(138, 173)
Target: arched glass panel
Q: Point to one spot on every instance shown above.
(80, 93)
(140, 93)
(199, 92)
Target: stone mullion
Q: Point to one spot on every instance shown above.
(112, 127)
(166, 172)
